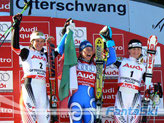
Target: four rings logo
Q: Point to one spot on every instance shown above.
(78, 35)
(4, 77)
(3, 27)
(6, 81)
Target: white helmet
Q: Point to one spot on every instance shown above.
(37, 35)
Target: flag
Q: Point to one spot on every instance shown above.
(69, 78)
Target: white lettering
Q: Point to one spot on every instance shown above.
(5, 6)
(23, 36)
(28, 29)
(8, 60)
(109, 96)
(85, 75)
(112, 72)
(6, 110)
(118, 47)
(111, 90)
(128, 86)
(2, 85)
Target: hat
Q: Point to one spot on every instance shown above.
(134, 43)
(84, 44)
(37, 35)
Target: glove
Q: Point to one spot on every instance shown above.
(155, 98)
(158, 89)
(69, 24)
(106, 33)
(17, 20)
(154, 89)
(110, 43)
(149, 91)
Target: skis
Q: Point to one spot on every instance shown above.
(151, 51)
(99, 48)
(51, 68)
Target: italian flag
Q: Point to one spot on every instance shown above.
(68, 78)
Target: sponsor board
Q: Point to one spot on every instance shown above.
(27, 27)
(108, 119)
(109, 92)
(3, 27)
(64, 118)
(6, 106)
(5, 6)
(6, 57)
(111, 72)
(6, 81)
(80, 34)
(20, 79)
(119, 43)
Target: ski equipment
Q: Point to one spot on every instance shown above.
(51, 66)
(10, 28)
(157, 94)
(99, 48)
(151, 51)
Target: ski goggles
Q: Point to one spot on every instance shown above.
(135, 45)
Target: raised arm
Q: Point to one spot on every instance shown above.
(15, 33)
(106, 34)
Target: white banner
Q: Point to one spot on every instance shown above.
(6, 81)
(80, 34)
(3, 27)
(113, 12)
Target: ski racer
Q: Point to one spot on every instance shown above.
(82, 103)
(131, 72)
(34, 103)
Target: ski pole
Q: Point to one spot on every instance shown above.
(11, 27)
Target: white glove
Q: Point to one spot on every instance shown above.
(71, 26)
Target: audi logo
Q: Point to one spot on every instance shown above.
(3, 27)
(4, 77)
(77, 33)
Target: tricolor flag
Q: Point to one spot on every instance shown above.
(68, 82)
